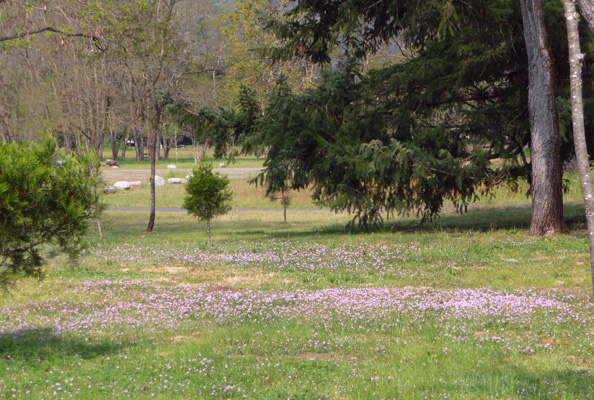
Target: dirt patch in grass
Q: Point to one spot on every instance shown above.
(183, 338)
(168, 270)
(256, 279)
(161, 279)
(581, 363)
(199, 273)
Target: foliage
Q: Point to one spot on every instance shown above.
(208, 195)
(243, 29)
(359, 157)
(415, 133)
(45, 202)
(220, 126)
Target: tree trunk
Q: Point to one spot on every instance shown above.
(125, 147)
(577, 116)
(78, 144)
(66, 142)
(587, 11)
(167, 141)
(547, 195)
(208, 230)
(113, 143)
(153, 146)
(139, 145)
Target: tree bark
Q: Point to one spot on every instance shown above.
(547, 195)
(139, 145)
(154, 147)
(587, 11)
(208, 230)
(577, 116)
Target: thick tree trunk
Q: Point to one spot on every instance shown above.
(547, 195)
(577, 116)
(587, 11)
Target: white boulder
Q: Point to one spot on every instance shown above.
(159, 181)
(222, 165)
(171, 166)
(122, 185)
(176, 181)
(136, 183)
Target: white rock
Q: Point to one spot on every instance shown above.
(122, 185)
(176, 181)
(109, 190)
(159, 181)
(136, 183)
(188, 176)
(222, 165)
(171, 167)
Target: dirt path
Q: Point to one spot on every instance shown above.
(181, 210)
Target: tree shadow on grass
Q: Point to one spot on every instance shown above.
(43, 344)
(486, 219)
(517, 381)
(480, 219)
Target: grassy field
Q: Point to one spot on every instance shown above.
(465, 307)
(184, 159)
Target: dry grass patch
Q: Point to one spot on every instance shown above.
(168, 270)
(257, 279)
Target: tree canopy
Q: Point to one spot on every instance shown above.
(415, 132)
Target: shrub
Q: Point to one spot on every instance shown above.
(45, 201)
(208, 195)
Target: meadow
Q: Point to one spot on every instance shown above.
(467, 306)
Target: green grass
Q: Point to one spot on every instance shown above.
(467, 306)
(251, 196)
(183, 160)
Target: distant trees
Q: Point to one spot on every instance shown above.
(46, 200)
(208, 195)
(91, 70)
(245, 35)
